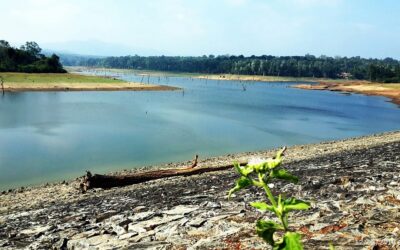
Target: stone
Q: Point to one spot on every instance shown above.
(127, 235)
(198, 222)
(181, 209)
(139, 209)
(35, 230)
(211, 204)
(142, 216)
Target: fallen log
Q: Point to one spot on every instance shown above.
(109, 181)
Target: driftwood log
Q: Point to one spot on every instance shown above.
(108, 181)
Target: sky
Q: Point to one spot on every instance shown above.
(366, 28)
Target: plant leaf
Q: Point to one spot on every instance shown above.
(284, 175)
(291, 241)
(262, 206)
(294, 204)
(266, 230)
(273, 163)
(242, 182)
(243, 171)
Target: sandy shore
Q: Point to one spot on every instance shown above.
(353, 185)
(18, 82)
(232, 77)
(389, 90)
(98, 87)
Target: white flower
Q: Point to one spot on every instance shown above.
(256, 161)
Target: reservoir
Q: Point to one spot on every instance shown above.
(52, 136)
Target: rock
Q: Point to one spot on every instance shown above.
(134, 228)
(211, 204)
(153, 245)
(198, 222)
(119, 230)
(181, 209)
(364, 201)
(38, 230)
(139, 209)
(106, 215)
(153, 223)
(142, 216)
(127, 235)
(62, 244)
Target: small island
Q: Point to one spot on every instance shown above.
(26, 69)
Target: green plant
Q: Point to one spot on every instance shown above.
(260, 173)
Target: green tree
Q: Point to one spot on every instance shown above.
(32, 48)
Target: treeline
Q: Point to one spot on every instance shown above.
(27, 59)
(386, 70)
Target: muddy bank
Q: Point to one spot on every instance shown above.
(391, 91)
(353, 186)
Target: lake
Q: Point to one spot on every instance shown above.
(52, 136)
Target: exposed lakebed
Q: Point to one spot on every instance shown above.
(49, 136)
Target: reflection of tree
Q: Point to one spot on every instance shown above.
(2, 84)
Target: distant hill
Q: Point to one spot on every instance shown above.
(28, 59)
(98, 48)
(68, 59)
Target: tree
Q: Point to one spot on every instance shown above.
(27, 59)
(32, 48)
(4, 44)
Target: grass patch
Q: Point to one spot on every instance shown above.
(53, 78)
(69, 82)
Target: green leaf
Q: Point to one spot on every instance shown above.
(243, 171)
(242, 182)
(284, 175)
(294, 204)
(262, 206)
(266, 230)
(291, 241)
(273, 163)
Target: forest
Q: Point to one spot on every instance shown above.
(377, 70)
(27, 59)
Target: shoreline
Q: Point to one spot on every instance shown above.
(307, 83)
(22, 82)
(220, 160)
(260, 78)
(346, 180)
(359, 87)
(227, 77)
(135, 87)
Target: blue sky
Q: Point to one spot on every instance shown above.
(368, 28)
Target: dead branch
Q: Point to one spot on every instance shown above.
(108, 181)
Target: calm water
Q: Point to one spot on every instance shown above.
(57, 135)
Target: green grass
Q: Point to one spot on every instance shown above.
(53, 78)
